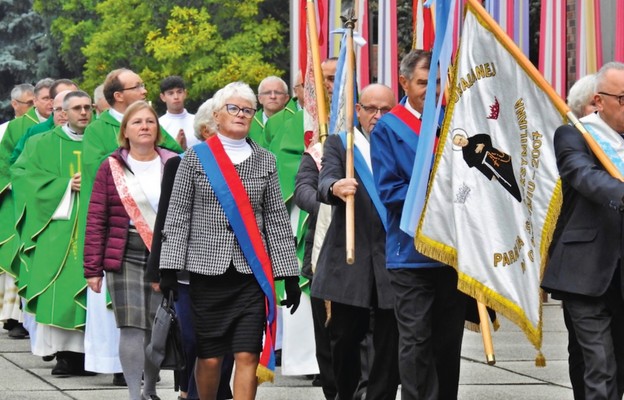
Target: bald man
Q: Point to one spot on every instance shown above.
(367, 279)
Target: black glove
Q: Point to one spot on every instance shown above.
(169, 282)
(293, 293)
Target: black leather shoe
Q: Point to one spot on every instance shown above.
(18, 332)
(119, 379)
(61, 368)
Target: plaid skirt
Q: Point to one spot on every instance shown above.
(134, 300)
(228, 313)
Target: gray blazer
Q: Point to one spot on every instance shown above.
(197, 236)
(587, 245)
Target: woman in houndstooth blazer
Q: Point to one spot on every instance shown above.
(228, 303)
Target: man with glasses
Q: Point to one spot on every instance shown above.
(177, 121)
(47, 178)
(22, 98)
(584, 268)
(368, 279)
(272, 97)
(59, 85)
(9, 238)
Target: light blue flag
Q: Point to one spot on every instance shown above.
(442, 50)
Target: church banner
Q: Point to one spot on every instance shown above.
(495, 194)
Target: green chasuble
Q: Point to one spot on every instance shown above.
(288, 147)
(256, 130)
(54, 273)
(44, 126)
(9, 239)
(275, 123)
(100, 140)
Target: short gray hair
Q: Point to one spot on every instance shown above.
(204, 117)
(600, 76)
(413, 59)
(45, 83)
(273, 78)
(71, 95)
(19, 90)
(234, 89)
(581, 94)
(98, 93)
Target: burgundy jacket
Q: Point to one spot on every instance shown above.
(107, 219)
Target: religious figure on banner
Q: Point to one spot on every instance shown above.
(478, 152)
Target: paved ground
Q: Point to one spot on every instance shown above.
(25, 377)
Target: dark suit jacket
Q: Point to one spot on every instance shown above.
(334, 279)
(587, 245)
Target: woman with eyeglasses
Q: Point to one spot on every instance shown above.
(120, 224)
(228, 226)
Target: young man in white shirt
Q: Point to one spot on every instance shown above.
(177, 121)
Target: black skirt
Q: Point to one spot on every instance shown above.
(228, 313)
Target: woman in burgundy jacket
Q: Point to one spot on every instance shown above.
(119, 231)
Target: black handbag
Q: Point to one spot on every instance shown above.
(165, 347)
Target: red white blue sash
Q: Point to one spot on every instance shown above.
(233, 198)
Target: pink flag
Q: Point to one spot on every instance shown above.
(619, 32)
(387, 56)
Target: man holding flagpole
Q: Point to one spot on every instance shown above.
(584, 270)
(429, 309)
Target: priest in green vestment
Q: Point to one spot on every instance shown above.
(272, 96)
(9, 240)
(48, 175)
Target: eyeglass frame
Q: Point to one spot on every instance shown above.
(239, 109)
(370, 109)
(28, 103)
(80, 107)
(138, 86)
(619, 97)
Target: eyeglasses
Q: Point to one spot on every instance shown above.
(57, 109)
(272, 93)
(28, 103)
(138, 86)
(619, 97)
(80, 108)
(375, 110)
(234, 110)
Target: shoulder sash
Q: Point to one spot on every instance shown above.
(134, 200)
(401, 121)
(233, 198)
(366, 176)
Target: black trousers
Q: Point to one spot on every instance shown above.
(347, 329)
(323, 348)
(598, 324)
(430, 314)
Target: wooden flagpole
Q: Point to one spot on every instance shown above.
(321, 97)
(349, 23)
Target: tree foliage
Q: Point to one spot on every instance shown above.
(25, 54)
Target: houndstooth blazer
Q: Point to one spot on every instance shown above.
(197, 236)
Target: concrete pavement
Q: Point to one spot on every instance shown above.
(25, 377)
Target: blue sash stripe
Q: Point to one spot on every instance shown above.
(400, 128)
(366, 176)
(228, 203)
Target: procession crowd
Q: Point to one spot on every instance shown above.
(106, 208)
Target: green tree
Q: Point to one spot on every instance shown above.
(25, 54)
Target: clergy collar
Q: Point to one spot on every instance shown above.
(115, 114)
(41, 118)
(73, 135)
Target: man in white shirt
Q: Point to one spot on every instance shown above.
(177, 121)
